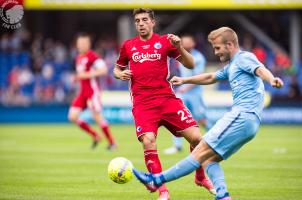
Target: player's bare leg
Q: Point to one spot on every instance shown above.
(103, 124)
(152, 161)
(193, 136)
(73, 116)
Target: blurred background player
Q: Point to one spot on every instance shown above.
(154, 102)
(87, 116)
(89, 67)
(190, 94)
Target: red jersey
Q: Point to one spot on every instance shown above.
(86, 62)
(149, 63)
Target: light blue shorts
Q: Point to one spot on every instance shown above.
(231, 132)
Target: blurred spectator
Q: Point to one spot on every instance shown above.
(247, 43)
(18, 91)
(260, 53)
(282, 61)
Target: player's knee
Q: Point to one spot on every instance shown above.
(202, 152)
(195, 141)
(72, 118)
(195, 138)
(212, 159)
(148, 141)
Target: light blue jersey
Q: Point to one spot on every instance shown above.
(199, 65)
(241, 124)
(247, 88)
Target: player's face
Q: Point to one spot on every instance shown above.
(144, 25)
(83, 44)
(188, 43)
(221, 50)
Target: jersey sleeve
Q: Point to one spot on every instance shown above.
(222, 74)
(249, 63)
(96, 61)
(122, 60)
(93, 56)
(99, 63)
(172, 51)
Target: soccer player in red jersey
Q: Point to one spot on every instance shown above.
(89, 67)
(143, 61)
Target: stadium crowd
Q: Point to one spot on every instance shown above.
(35, 69)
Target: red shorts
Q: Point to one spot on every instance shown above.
(88, 99)
(168, 112)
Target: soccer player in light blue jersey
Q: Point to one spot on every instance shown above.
(191, 94)
(237, 127)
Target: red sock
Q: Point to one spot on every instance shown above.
(153, 165)
(107, 133)
(199, 173)
(83, 125)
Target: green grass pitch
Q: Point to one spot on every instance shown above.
(46, 162)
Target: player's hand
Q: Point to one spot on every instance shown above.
(175, 40)
(126, 75)
(277, 82)
(177, 80)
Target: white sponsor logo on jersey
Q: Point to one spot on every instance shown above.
(141, 57)
(81, 65)
(80, 68)
(146, 46)
(84, 60)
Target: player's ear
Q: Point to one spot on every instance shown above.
(229, 45)
(153, 21)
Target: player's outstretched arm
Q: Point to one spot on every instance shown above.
(267, 76)
(121, 74)
(201, 79)
(185, 57)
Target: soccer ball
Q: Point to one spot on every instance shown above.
(120, 170)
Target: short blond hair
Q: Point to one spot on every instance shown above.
(227, 35)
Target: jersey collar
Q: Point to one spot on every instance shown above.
(236, 55)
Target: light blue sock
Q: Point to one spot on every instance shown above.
(182, 168)
(216, 175)
(178, 142)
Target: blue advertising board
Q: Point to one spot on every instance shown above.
(123, 114)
